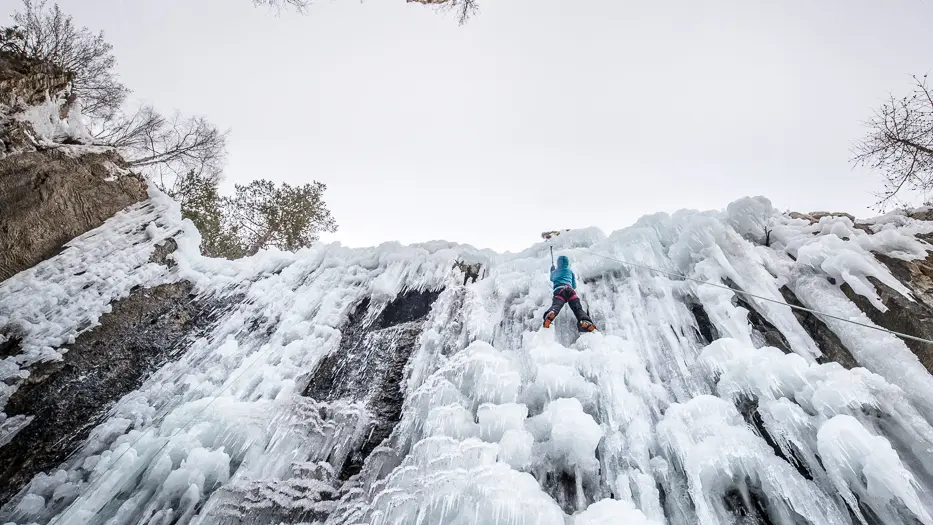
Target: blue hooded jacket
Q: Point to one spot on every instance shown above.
(563, 276)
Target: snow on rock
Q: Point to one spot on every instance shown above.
(882, 353)
(46, 307)
(50, 304)
(51, 130)
(499, 421)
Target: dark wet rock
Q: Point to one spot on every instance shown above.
(48, 198)
(763, 332)
(913, 318)
(369, 365)
(471, 272)
(917, 275)
(68, 398)
(161, 253)
(748, 504)
(828, 342)
(562, 486)
(707, 332)
(766, 334)
(748, 407)
(922, 214)
(411, 306)
(367, 371)
(9, 345)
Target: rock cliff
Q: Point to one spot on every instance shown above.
(49, 192)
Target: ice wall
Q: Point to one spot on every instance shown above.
(501, 422)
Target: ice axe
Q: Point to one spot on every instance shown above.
(547, 236)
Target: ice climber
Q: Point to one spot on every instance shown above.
(565, 283)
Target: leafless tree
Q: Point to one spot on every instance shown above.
(161, 147)
(124, 130)
(165, 147)
(300, 5)
(463, 8)
(48, 35)
(900, 143)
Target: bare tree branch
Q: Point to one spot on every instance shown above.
(164, 148)
(300, 5)
(48, 35)
(464, 8)
(900, 143)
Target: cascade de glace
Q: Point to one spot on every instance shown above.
(402, 385)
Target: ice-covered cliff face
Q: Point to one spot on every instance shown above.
(384, 386)
(53, 186)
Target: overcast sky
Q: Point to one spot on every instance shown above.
(536, 115)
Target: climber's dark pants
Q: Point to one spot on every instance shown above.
(566, 294)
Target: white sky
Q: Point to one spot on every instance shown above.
(538, 114)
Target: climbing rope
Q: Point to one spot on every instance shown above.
(742, 292)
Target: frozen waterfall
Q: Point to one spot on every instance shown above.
(380, 386)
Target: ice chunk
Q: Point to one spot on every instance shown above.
(451, 420)
(718, 452)
(496, 420)
(865, 468)
(555, 382)
(515, 448)
(30, 505)
(752, 217)
(847, 263)
(571, 434)
(445, 481)
(484, 374)
(612, 512)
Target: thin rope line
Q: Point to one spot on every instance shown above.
(169, 440)
(735, 290)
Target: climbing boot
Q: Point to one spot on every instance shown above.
(587, 326)
(548, 319)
